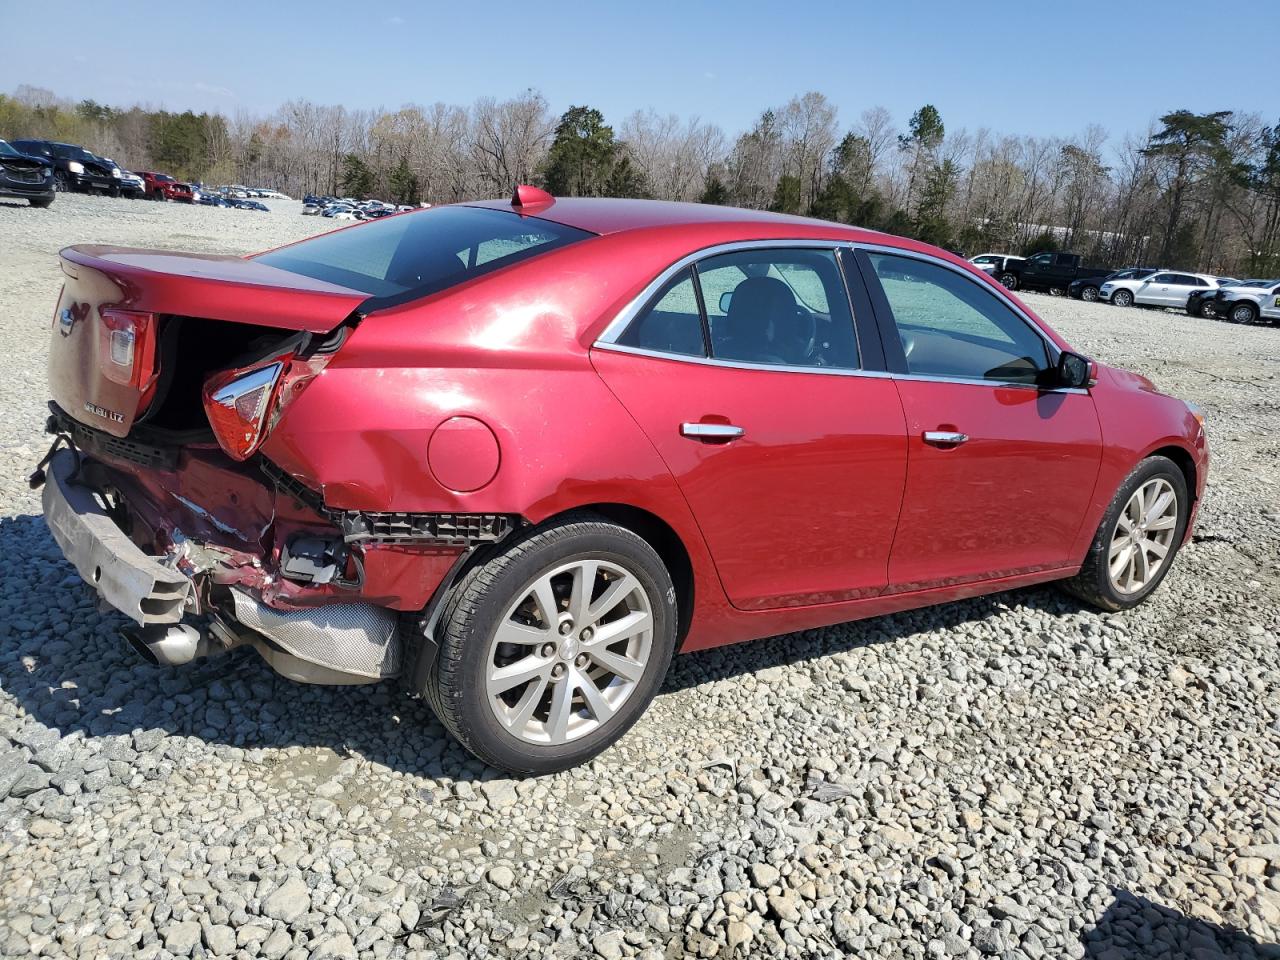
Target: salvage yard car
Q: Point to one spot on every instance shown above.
(519, 453)
(24, 177)
(1249, 303)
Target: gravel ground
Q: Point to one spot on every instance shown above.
(1012, 776)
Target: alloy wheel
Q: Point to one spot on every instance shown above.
(1089, 293)
(569, 652)
(1122, 298)
(1143, 536)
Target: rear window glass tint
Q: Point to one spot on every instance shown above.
(404, 257)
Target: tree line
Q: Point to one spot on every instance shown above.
(1194, 191)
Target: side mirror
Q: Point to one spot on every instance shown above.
(1073, 370)
(725, 299)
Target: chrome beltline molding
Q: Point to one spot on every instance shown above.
(608, 338)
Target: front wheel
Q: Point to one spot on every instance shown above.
(1137, 539)
(41, 202)
(552, 649)
(61, 183)
(1244, 313)
(1122, 298)
(1009, 281)
(1089, 294)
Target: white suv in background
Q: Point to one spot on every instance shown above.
(1165, 288)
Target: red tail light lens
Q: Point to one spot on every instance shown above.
(126, 350)
(238, 407)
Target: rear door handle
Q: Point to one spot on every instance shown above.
(711, 432)
(945, 438)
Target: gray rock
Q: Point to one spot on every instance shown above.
(288, 901)
(181, 938)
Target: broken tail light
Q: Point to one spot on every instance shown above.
(237, 405)
(126, 352)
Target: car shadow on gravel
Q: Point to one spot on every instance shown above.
(721, 663)
(1134, 928)
(66, 664)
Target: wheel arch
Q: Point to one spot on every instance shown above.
(660, 535)
(1184, 461)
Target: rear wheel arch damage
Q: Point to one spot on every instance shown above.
(651, 528)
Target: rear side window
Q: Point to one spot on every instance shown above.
(772, 307)
(401, 258)
(672, 323)
(778, 307)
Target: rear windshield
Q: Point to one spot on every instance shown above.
(401, 258)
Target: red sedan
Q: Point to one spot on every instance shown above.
(518, 453)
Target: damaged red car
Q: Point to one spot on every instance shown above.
(519, 453)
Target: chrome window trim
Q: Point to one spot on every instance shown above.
(609, 336)
(826, 371)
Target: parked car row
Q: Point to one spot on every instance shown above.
(36, 170)
(236, 191)
(348, 208)
(221, 200)
(1199, 294)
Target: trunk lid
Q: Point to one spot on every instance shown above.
(144, 290)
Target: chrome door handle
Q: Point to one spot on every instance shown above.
(711, 431)
(945, 438)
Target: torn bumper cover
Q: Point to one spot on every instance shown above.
(141, 587)
(336, 643)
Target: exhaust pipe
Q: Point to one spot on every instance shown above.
(172, 644)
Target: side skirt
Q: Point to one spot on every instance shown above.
(736, 626)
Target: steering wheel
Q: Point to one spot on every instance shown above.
(807, 331)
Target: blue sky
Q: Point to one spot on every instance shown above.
(1014, 67)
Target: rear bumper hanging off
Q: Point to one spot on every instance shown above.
(139, 586)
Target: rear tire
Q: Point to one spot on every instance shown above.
(41, 202)
(1089, 294)
(570, 693)
(1009, 281)
(1122, 298)
(1125, 563)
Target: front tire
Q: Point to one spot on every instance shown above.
(1122, 298)
(41, 202)
(1009, 281)
(1244, 313)
(552, 649)
(1138, 538)
(1089, 294)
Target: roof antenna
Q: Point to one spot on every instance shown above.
(527, 196)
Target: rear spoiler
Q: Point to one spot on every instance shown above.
(215, 287)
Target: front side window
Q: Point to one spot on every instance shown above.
(1164, 278)
(778, 307)
(950, 326)
(411, 255)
